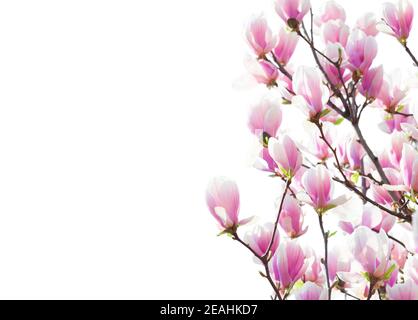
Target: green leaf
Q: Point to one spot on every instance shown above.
(366, 276)
(355, 177)
(324, 113)
(400, 108)
(388, 273)
(332, 234)
(339, 121)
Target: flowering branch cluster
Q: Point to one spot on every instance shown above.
(331, 95)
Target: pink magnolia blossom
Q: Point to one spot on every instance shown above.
(409, 167)
(263, 72)
(403, 291)
(415, 231)
(371, 83)
(372, 250)
(319, 187)
(286, 46)
(311, 291)
(259, 239)
(291, 218)
(391, 95)
(292, 11)
(285, 153)
(321, 149)
(338, 261)
(222, 198)
(399, 19)
(398, 122)
(399, 254)
(314, 272)
(265, 162)
(337, 76)
(335, 31)
(289, 264)
(397, 141)
(331, 10)
(307, 83)
(380, 194)
(355, 154)
(265, 120)
(259, 37)
(368, 24)
(361, 50)
(411, 268)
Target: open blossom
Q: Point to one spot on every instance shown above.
(313, 272)
(368, 24)
(372, 82)
(380, 194)
(336, 53)
(291, 218)
(399, 122)
(286, 46)
(263, 72)
(392, 94)
(361, 50)
(265, 120)
(289, 264)
(311, 291)
(335, 31)
(403, 291)
(415, 231)
(331, 10)
(308, 85)
(372, 250)
(399, 19)
(338, 261)
(285, 153)
(292, 11)
(319, 187)
(409, 167)
(397, 141)
(260, 37)
(222, 198)
(265, 162)
(259, 239)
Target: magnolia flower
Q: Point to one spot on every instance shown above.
(399, 19)
(411, 267)
(338, 76)
(338, 261)
(391, 96)
(399, 254)
(286, 46)
(330, 11)
(263, 72)
(335, 31)
(259, 239)
(311, 291)
(265, 162)
(313, 94)
(260, 37)
(368, 24)
(415, 231)
(399, 122)
(355, 154)
(287, 156)
(361, 51)
(403, 291)
(372, 250)
(222, 198)
(371, 83)
(319, 187)
(291, 218)
(265, 120)
(380, 194)
(398, 139)
(292, 11)
(289, 264)
(409, 167)
(314, 271)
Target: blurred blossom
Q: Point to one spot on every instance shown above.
(259, 239)
(398, 19)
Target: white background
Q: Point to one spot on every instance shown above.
(113, 117)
